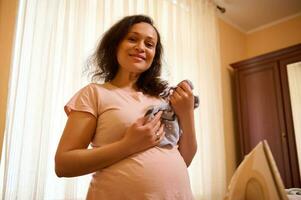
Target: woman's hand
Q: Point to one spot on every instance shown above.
(144, 133)
(182, 100)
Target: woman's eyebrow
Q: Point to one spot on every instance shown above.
(137, 33)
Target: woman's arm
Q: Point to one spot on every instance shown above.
(182, 101)
(187, 142)
(74, 159)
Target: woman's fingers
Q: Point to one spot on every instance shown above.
(160, 134)
(157, 126)
(175, 96)
(181, 91)
(185, 86)
(155, 120)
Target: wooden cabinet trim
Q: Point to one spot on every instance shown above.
(268, 57)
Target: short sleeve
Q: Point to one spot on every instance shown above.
(84, 100)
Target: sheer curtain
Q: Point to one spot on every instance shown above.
(54, 39)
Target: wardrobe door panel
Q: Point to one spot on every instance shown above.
(261, 112)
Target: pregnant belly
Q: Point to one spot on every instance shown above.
(154, 173)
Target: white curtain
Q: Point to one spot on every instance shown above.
(294, 80)
(53, 41)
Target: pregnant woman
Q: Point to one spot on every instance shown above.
(125, 158)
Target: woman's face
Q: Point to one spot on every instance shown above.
(136, 51)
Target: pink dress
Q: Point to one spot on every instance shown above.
(154, 174)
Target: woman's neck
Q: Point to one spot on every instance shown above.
(127, 82)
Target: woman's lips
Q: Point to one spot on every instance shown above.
(137, 57)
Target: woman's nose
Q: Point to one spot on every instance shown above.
(140, 46)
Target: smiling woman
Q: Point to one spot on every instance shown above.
(136, 51)
(126, 43)
(140, 45)
(125, 160)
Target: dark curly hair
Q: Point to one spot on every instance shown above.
(104, 60)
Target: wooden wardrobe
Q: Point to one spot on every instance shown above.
(264, 109)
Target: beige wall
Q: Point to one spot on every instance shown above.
(233, 48)
(236, 46)
(8, 10)
(275, 37)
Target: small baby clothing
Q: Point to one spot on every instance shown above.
(169, 119)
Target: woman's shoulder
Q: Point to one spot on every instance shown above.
(92, 90)
(102, 90)
(98, 86)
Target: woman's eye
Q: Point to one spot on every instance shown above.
(150, 45)
(131, 39)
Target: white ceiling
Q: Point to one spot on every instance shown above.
(251, 15)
